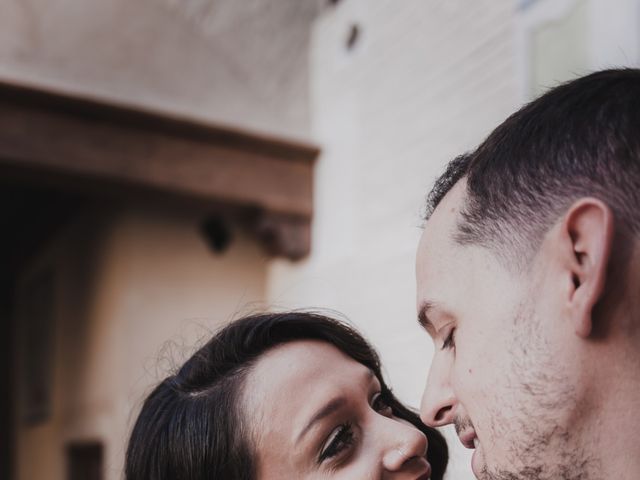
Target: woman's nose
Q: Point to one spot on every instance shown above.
(407, 443)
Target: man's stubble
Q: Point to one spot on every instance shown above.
(526, 415)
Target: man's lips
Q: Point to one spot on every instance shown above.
(467, 438)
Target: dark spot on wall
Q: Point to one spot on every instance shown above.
(353, 36)
(217, 234)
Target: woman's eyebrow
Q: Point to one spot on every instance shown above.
(333, 406)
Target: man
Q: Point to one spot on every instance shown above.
(528, 277)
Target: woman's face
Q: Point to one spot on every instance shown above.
(316, 413)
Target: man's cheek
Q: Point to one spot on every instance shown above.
(466, 378)
(476, 368)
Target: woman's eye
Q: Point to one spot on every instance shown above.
(340, 440)
(449, 342)
(381, 405)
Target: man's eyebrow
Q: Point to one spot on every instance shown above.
(333, 406)
(423, 318)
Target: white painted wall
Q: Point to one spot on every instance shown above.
(426, 81)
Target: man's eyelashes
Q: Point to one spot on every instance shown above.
(449, 342)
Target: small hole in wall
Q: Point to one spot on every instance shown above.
(353, 36)
(333, 2)
(216, 233)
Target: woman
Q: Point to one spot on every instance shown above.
(281, 396)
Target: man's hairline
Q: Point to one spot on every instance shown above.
(506, 260)
(431, 208)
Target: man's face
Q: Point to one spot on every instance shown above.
(502, 371)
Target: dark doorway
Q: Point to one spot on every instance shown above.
(30, 215)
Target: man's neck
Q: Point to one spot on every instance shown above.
(614, 426)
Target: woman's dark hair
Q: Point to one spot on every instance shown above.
(191, 426)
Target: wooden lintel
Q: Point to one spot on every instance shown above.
(75, 142)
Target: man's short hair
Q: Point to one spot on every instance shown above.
(579, 139)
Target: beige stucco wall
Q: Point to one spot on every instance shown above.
(136, 290)
(239, 63)
(426, 81)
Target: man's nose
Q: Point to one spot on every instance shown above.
(438, 400)
(408, 443)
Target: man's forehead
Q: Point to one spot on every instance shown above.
(438, 254)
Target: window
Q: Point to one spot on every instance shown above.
(559, 40)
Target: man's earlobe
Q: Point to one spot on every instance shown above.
(588, 226)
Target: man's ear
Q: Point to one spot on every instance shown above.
(587, 230)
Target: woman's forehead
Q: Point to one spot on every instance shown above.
(290, 380)
(303, 363)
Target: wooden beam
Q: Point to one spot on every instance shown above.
(86, 145)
